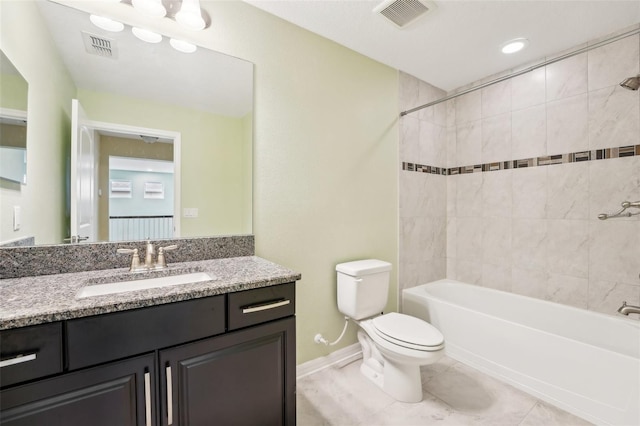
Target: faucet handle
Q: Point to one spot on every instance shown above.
(135, 259)
(162, 262)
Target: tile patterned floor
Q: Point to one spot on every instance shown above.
(454, 394)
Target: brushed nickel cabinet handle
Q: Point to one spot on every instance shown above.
(147, 397)
(263, 307)
(18, 360)
(169, 397)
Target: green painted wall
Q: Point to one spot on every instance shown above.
(213, 157)
(325, 158)
(13, 92)
(26, 42)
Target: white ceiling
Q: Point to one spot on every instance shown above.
(459, 42)
(205, 80)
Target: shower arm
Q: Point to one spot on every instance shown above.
(621, 213)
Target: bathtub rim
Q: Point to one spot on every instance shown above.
(622, 319)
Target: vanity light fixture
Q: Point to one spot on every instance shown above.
(515, 45)
(183, 46)
(146, 35)
(190, 15)
(153, 8)
(106, 23)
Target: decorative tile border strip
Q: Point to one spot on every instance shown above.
(412, 167)
(547, 160)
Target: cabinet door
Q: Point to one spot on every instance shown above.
(119, 393)
(245, 377)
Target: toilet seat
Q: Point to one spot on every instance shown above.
(408, 332)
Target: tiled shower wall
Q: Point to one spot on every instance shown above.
(423, 196)
(529, 230)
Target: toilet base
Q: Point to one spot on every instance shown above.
(400, 381)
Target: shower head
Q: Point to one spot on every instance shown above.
(631, 83)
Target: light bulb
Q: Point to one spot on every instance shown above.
(190, 15)
(106, 23)
(182, 46)
(153, 8)
(146, 35)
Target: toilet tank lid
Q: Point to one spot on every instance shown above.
(363, 267)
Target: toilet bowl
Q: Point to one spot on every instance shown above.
(394, 345)
(394, 353)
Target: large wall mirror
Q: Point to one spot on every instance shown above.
(13, 145)
(162, 139)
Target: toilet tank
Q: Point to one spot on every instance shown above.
(363, 287)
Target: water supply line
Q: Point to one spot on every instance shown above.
(319, 339)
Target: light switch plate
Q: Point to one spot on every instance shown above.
(17, 219)
(190, 212)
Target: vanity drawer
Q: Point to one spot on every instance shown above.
(108, 337)
(30, 352)
(259, 305)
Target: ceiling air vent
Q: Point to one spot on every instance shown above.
(403, 12)
(101, 46)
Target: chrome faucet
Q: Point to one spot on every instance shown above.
(628, 309)
(150, 251)
(150, 263)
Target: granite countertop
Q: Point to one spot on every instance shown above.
(41, 299)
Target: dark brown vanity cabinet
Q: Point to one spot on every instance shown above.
(242, 378)
(119, 393)
(221, 360)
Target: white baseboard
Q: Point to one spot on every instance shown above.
(341, 356)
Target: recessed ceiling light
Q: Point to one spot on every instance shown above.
(515, 45)
(146, 35)
(106, 23)
(182, 46)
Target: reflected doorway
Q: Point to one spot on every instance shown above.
(137, 186)
(131, 190)
(140, 197)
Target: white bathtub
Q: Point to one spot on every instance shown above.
(581, 361)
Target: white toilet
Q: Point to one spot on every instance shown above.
(394, 345)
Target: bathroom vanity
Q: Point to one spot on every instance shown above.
(213, 352)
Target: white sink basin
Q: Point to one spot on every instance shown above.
(142, 284)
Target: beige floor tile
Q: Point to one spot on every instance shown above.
(543, 414)
(454, 395)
